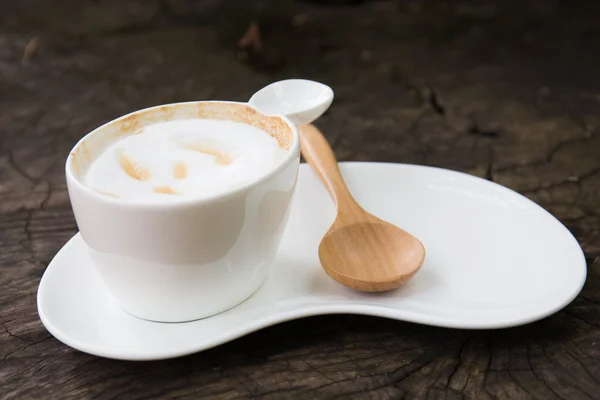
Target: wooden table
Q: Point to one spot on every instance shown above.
(505, 90)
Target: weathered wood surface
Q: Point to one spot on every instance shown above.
(506, 90)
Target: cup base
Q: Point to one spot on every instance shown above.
(173, 293)
(153, 318)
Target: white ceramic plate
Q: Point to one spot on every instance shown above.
(494, 259)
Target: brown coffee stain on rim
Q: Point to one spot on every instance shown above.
(165, 190)
(167, 112)
(276, 127)
(180, 170)
(131, 168)
(129, 124)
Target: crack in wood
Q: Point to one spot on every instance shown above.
(15, 335)
(551, 154)
(580, 178)
(459, 357)
(436, 103)
(477, 131)
(13, 164)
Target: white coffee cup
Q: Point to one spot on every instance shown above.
(190, 259)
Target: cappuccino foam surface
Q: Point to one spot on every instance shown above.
(192, 158)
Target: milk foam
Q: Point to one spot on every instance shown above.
(192, 158)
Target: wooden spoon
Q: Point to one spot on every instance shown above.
(360, 250)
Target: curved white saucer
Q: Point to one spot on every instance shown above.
(494, 259)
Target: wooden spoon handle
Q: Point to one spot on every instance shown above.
(318, 154)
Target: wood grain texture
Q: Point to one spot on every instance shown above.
(359, 250)
(319, 155)
(505, 90)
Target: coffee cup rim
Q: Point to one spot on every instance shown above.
(292, 153)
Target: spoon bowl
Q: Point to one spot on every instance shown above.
(370, 256)
(301, 100)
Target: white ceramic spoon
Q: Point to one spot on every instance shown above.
(301, 100)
